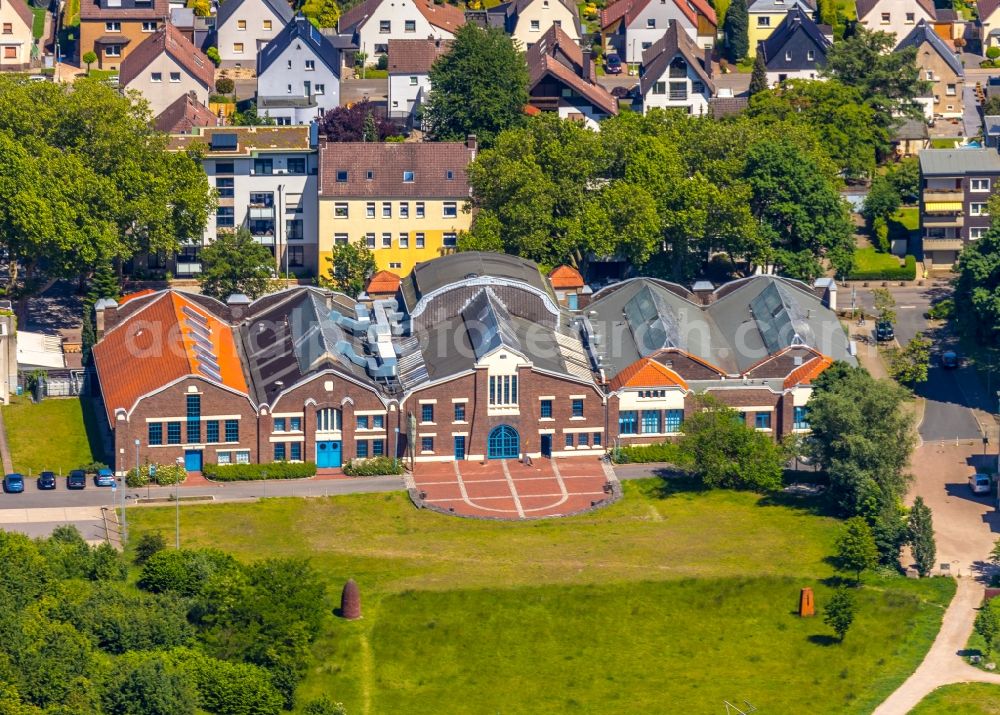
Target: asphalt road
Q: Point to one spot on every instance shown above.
(949, 394)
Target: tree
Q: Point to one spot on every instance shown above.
(351, 265)
(480, 87)
(149, 543)
(235, 263)
(758, 79)
(89, 58)
(884, 304)
(882, 200)
(856, 548)
(905, 177)
(150, 687)
(726, 453)
(909, 365)
(991, 107)
(987, 625)
(839, 613)
(977, 290)
(249, 117)
(224, 85)
(735, 29)
(349, 124)
(921, 536)
(184, 572)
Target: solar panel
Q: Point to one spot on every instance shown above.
(209, 372)
(224, 142)
(199, 328)
(193, 314)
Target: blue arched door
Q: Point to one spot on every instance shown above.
(504, 443)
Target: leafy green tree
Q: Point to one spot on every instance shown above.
(250, 117)
(235, 263)
(89, 58)
(726, 453)
(987, 625)
(977, 290)
(370, 133)
(184, 571)
(324, 705)
(905, 177)
(856, 550)
(351, 265)
(758, 78)
(329, 14)
(150, 687)
(149, 543)
(909, 365)
(106, 564)
(225, 85)
(736, 31)
(921, 536)
(884, 304)
(882, 200)
(839, 613)
(480, 87)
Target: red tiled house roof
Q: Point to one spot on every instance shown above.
(170, 40)
(565, 277)
(384, 282)
(647, 372)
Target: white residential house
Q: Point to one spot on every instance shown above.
(630, 27)
(674, 75)
(244, 27)
(16, 38)
(373, 23)
(898, 17)
(165, 67)
(298, 74)
(409, 76)
(266, 179)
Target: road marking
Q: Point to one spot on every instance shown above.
(526, 496)
(513, 489)
(905, 307)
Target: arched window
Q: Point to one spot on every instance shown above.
(329, 419)
(504, 443)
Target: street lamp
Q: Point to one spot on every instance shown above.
(121, 454)
(177, 506)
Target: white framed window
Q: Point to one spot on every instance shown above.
(950, 90)
(413, 80)
(408, 177)
(113, 51)
(386, 209)
(386, 240)
(404, 209)
(237, 48)
(449, 209)
(241, 25)
(410, 26)
(370, 240)
(340, 239)
(113, 26)
(419, 238)
(370, 209)
(396, 265)
(156, 77)
(535, 26)
(763, 21)
(149, 26)
(385, 27)
(404, 240)
(910, 18)
(310, 65)
(979, 185)
(978, 209)
(788, 56)
(420, 209)
(811, 55)
(340, 209)
(319, 89)
(175, 76)
(977, 232)
(651, 23)
(929, 75)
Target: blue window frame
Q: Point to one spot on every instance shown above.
(503, 443)
(362, 421)
(232, 430)
(742, 417)
(156, 433)
(378, 447)
(597, 439)
(295, 424)
(193, 419)
(362, 448)
(546, 409)
(763, 420)
(569, 440)
(173, 432)
(800, 419)
(578, 408)
(650, 421)
(212, 431)
(426, 413)
(675, 418)
(378, 421)
(279, 452)
(460, 412)
(296, 448)
(279, 424)
(628, 422)
(583, 440)
(426, 444)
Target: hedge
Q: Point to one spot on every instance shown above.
(255, 472)
(906, 272)
(164, 475)
(662, 452)
(374, 467)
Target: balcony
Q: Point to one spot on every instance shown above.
(261, 212)
(188, 268)
(943, 244)
(943, 220)
(934, 196)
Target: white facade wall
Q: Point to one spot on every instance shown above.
(403, 92)
(18, 43)
(898, 23)
(775, 78)
(400, 14)
(662, 14)
(163, 92)
(288, 76)
(590, 120)
(696, 102)
(257, 33)
(545, 13)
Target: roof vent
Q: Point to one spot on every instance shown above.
(470, 276)
(798, 360)
(238, 299)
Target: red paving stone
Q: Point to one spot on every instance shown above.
(537, 487)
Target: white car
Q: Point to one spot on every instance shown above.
(980, 483)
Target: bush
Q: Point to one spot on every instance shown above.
(225, 85)
(149, 543)
(213, 54)
(942, 310)
(256, 472)
(881, 231)
(663, 452)
(163, 475)
(184, 571)
(993, 52)
(376, 466)
(383, 62)
(906, 272)
(93, 467)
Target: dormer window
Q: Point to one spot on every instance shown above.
(341, 176)
(788, 56)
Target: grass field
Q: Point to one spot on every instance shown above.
(66, 422)
(667, 600)
(868, 259)
(964, 699)
(38, 22)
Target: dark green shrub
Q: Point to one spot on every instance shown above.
(184, 571)
(148, 544)
(256, 472)
(942, 310)
(375, 466)
(906, 272)
(662, 452)
(382, 62)
(224, 85)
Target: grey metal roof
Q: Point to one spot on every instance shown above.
(924, 32)
(954, 162)
(429, 276)
(991, 125)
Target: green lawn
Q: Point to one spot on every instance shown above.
(665, 601)
(65, 423)
(101, 74)
(38, 23)
(964, 699)
(944, 143)
(868, 259)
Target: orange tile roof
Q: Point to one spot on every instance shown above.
(155, 346)
(647, 372)
(384, 282)
(565, 277)
(138, 294)
(808, 371)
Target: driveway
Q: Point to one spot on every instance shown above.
(355, 90)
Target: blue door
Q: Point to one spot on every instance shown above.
(546, 445)
(327, 454)
(504, 443)
(192, 460)
(460, 447)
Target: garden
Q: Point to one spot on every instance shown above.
(71, 425)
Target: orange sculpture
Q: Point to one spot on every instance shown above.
(807, 607)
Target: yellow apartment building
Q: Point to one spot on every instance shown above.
(764, 16)
(405, 201)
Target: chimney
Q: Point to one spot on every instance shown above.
(708, 63)
(106, 312)
(237, 304)
(704, 291)
(471, 142)
(826, 289)
(587, 70)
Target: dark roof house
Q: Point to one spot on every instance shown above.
(674, 43)
(562, 79)
(797, 45)
(300, 30)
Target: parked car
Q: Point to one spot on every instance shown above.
(47, 480)
(104, 478)
(13, 483)
(613, 63)
(949, 359)
(883, 331)
(77, 479)
(980, 483)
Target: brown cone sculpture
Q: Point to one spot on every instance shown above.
(350, 601)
